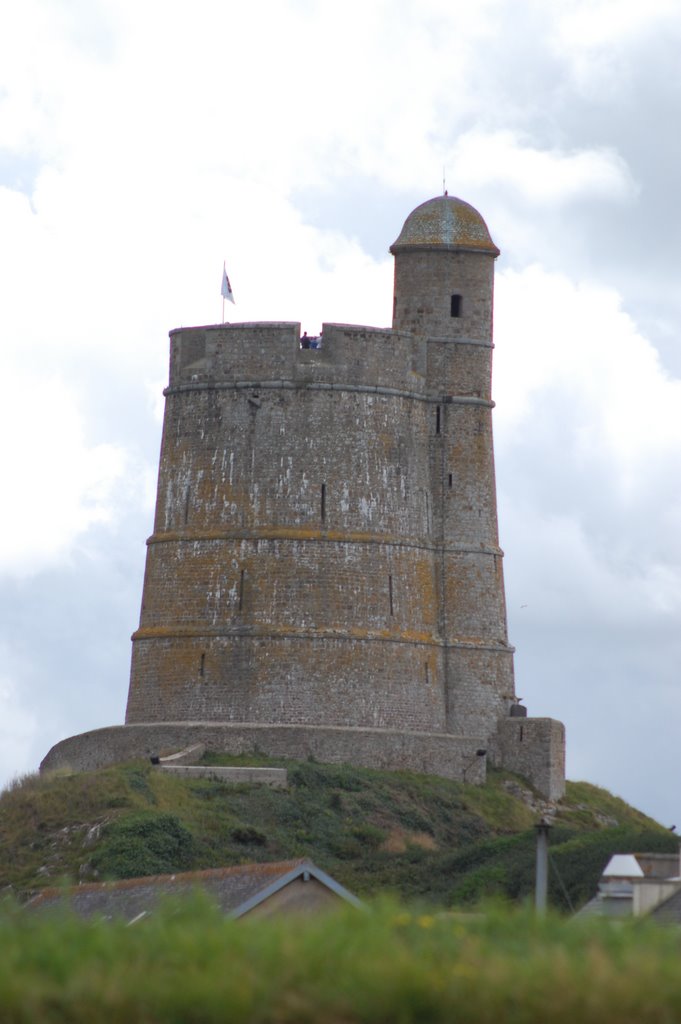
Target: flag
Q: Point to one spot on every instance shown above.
(226, 290)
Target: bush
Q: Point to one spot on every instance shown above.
(316, 776)
(248, 835)
(146, 844)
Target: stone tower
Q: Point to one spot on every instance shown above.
(444, 285)
(324, 576)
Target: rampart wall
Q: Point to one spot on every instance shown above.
(444, 755)
(260, 352)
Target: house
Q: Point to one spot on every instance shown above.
(637, 884)
(286, 887)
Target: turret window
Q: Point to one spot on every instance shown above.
(455, 308)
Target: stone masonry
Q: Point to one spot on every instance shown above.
(325, 567)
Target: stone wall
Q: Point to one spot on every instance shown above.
(307, 679)
(251, 353)
(275, 778)
(534, 748)
(311, 562)
(425, 280)
(435, 754)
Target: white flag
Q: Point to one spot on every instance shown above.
(226, 290)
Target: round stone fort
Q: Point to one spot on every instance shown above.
(324, 576)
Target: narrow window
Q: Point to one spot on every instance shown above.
(323, 502)
(520, 737)
(202, 667)
(427, 674)
(450, 479)
(241, 591)
(390, 594)
(186, 507)
(455, 309)
(437, 419)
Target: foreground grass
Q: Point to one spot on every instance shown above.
(188, 964)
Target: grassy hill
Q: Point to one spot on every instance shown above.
(422, 838)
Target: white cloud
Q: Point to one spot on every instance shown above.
(56, 484)
(557, 335)
(585, 24)
(588, 438)
(597, 39)
(18, 728)
(541, 176)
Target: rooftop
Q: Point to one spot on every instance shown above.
(235, 890)
(445, 223)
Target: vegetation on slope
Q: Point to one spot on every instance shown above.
(188, 963)
(423, 838)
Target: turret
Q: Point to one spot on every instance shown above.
(444, 272)
(444, 289)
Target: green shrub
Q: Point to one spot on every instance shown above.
(311, 775)
(248, 835)
(138, 780)
(146, 844)
(368, 835)
(485, 883)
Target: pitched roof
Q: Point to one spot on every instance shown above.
(235, 890)
(622, 865)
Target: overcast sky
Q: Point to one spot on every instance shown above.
(142, 143)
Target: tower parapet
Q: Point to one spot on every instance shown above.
(349, 356)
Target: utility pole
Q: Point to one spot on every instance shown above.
(542, 870)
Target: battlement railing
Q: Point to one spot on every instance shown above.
(257, 353)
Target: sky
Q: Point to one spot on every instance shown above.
(142, 144)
